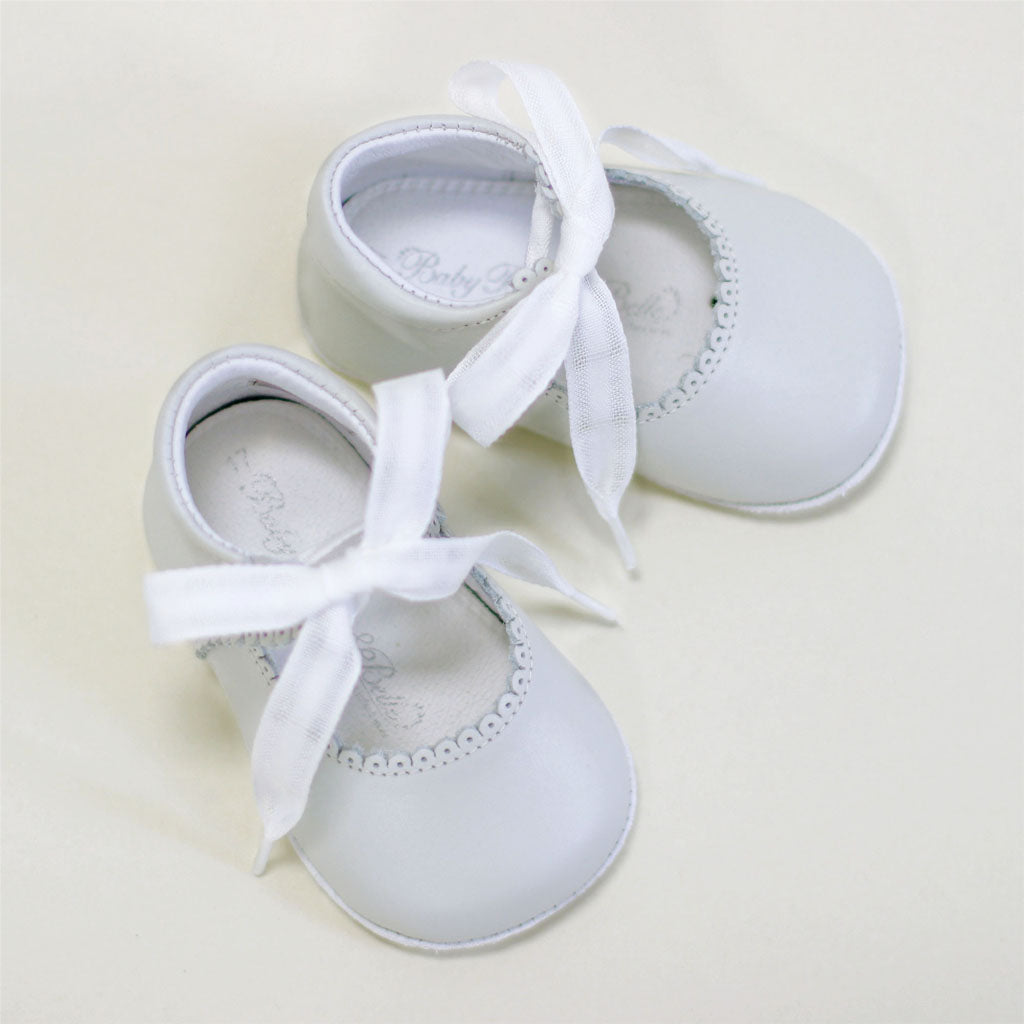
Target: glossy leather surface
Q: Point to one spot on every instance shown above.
(477, 849)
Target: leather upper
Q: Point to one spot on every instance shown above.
(808, 384)
(474, 850)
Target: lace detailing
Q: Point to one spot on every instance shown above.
(726, 303)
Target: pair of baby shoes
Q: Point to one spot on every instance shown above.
(444, 773)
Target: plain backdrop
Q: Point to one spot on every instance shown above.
(825, 713)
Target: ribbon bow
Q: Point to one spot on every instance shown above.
(393, 556)
(570, 317)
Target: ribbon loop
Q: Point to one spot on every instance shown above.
(568, 318)
(325, 600)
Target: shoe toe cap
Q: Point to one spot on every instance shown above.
(487, 845)
(806, 393)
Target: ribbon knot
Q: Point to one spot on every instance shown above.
(353, 575)
(324, 600)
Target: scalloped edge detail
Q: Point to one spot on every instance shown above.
(447, 750)
(471, 737)
(727, 294)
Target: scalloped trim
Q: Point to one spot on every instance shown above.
(471, 738)
(447, 750)
(727, 295)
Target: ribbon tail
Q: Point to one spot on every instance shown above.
(515, 556)
(435, 567)
(602, 413)
(508, 369)
(301, 714)
(668, 154)
(259, 863)
(474, 89)
(612, 518)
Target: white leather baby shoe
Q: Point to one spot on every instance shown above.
(444, 773)
(735, 344)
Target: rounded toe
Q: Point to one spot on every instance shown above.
(479, 848)
(805, 396)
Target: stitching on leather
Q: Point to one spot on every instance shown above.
(448, 186)
(342, 223)
(198, 520)
(268, 639)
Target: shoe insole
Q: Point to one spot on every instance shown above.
(453, 239)
(460, 241)
(273, 477)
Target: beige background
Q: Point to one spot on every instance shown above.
(825, 713)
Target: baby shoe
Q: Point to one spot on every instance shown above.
(446, 776)
(731, 343)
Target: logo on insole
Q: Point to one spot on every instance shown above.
(423, 267)
(267, 503)
(653, 312)
(386, 710)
